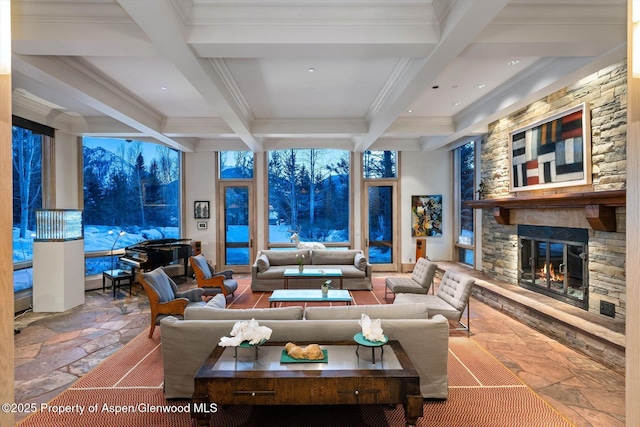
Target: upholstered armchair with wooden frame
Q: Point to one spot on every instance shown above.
(164, 298)
(212, 282)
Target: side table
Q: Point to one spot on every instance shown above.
(116, 276)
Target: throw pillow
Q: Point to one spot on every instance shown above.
(360, 262)
(263, 263)
(218, 302)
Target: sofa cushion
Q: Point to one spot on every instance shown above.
(384, 311)
(201, 262)
(335, 257)
(360, 261)
(435, 304)
(286, 257)
(348, 271)
(263, 263)
(218, 301)
(210, 313)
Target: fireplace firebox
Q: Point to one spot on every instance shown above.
(553, 262)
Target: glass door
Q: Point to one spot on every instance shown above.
(380, 228)
(237, 232)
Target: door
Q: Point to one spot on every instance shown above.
(236, 234)
(380, 227)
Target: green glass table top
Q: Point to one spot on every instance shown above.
(310, 295)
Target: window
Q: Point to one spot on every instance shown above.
(27, 146)
(379, 164)
(236, 165)
(465, 185)
(131, 194)
(309, 193)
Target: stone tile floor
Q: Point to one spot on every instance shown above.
(54, 350)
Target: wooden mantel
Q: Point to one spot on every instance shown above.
(599, 206)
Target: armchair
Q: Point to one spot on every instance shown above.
(221, 282)
(419, 282)
(164, 298)
(451, 299)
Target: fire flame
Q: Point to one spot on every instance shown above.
(542, 273)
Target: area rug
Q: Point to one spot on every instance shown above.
(126, 390)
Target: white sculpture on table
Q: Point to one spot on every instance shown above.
(371, 329)
(246, 330)
(295, 237)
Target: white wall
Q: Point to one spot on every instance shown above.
(200, 174)
(66, 171)
(421, 174)
(427, 173)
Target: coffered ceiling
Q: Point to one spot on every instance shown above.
(202, 75)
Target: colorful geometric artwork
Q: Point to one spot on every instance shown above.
(426, 216)
(556, 152)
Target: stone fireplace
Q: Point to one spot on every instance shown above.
(519, 233)
(554, 262)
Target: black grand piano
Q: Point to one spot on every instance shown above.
(151, 254)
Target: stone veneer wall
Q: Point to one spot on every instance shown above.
(605, 94)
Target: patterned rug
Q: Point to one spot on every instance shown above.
(126, 390)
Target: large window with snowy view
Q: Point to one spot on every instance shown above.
(379, 164)
(309, 194)
(236, 164)
(131, 194)
(27, 155)
(464, 168)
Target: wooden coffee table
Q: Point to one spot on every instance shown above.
(344, 379)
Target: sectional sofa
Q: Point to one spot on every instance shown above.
(267, 272)
(186, 344)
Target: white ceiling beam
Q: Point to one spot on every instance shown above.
(70, 77)
(462, 24)
(545, 77)
(167, 32)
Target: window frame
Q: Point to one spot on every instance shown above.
(457, 188)
(47, 190)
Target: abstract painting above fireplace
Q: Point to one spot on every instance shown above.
(552, 153)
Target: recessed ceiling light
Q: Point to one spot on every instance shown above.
(455, 104)
(513, 62)
(163, 88)
(311, 70)
(481, 86)
(409, 111)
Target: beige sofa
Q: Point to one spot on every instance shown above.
(186, 344)
(267, 272)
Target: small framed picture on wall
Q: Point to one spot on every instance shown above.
(201, 209)
(202, 225)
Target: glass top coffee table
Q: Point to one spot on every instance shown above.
(309, 295)
(311, 273)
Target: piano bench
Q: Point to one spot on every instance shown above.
(116, 277)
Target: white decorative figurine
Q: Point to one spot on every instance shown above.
(371, 329)
(246, 330)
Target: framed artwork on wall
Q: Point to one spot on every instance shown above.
(426, 216)
(202, 225)
(201, 209)
(554, 152)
